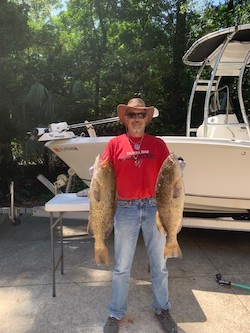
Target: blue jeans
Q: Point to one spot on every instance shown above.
(131, 217)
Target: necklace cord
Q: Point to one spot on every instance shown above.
(135, 153)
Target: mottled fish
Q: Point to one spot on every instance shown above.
(102, 200)
(170, 195)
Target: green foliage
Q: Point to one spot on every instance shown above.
(8, 130)
(39, 103)
(13, 28)
(34, 151)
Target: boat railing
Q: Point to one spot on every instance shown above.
(90, 125)
(94, 122)
(219, 103)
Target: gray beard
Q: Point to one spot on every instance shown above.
(137, 131)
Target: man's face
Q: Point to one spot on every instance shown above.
(136, 121)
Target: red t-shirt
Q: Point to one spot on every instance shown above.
(134, 182)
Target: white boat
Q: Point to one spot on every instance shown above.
(217, 152)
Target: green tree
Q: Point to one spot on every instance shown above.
(14, 34)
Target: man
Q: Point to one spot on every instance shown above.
(137, 158)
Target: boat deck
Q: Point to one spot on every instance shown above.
(83, 293)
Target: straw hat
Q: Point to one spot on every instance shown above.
(136, 104)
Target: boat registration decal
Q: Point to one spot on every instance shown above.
(58, 150)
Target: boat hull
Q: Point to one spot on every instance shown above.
(216, 177)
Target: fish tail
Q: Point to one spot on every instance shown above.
(101, 254)
(172, 250)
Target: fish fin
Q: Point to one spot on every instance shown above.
(101, 253)
(89, 229)
(177, 189)
(159, 224)
(179, 229)
(97, 195)
(104, 163)
(109, 229)
(172, 250)
(176, 192)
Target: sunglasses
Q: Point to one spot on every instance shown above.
(134, 115)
